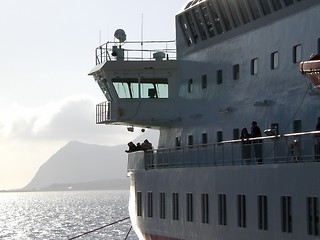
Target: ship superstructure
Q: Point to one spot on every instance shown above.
(234, 62)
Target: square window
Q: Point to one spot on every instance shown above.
(297, 126)
(219, 76)
(254, 66)
(274, 60)
(162, 205)
(178, 141)
(219, 136)
(262, 212)
(190, 85)
(286, 214)
(236, 72)
(222, 209)
(204, 81)
(313, 216)
(175, 206)
(297, 54)
(204, 138)
(205, 207)
(236, 134)
(190, 140)
(150, 204)
(189, 207)
(276, 4)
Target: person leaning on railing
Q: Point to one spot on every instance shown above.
(257, 144)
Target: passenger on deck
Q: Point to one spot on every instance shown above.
(246, 145)
(132, 147)
(257, 144)
(146, 145)
(139, 147)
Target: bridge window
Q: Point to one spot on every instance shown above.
(149, 87)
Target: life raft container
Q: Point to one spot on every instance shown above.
(311, 69)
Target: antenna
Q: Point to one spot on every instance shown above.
(141, 36)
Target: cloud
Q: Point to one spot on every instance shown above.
(72, 118)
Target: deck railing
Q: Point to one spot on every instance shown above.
(288, 148)
(136, 50)
(103, 112)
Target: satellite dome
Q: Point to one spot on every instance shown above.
(120, 34)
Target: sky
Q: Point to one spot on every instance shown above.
(46, 52)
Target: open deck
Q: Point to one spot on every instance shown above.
(288, 148)
(136, 51)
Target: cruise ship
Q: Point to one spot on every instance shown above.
(236, 100)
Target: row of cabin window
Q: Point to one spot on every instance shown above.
(296, 125)
(254, 67)
(213, 17)
(312, 209)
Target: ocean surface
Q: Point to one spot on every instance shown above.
(64, 215)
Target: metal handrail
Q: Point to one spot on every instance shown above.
(136, 50)
(287, 148)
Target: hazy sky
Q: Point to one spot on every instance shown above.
(46, 51)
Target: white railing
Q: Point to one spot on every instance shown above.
(103, 112)
(136, 51)
(288, 148)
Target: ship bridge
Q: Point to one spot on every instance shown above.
(137, 79)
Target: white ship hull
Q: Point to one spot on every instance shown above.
(273, 181)
(237, 61)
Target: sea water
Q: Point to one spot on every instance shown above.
(64, 215)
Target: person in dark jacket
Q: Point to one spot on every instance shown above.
(246, 145)
(257, 144)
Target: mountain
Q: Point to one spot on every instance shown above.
(83, 166)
